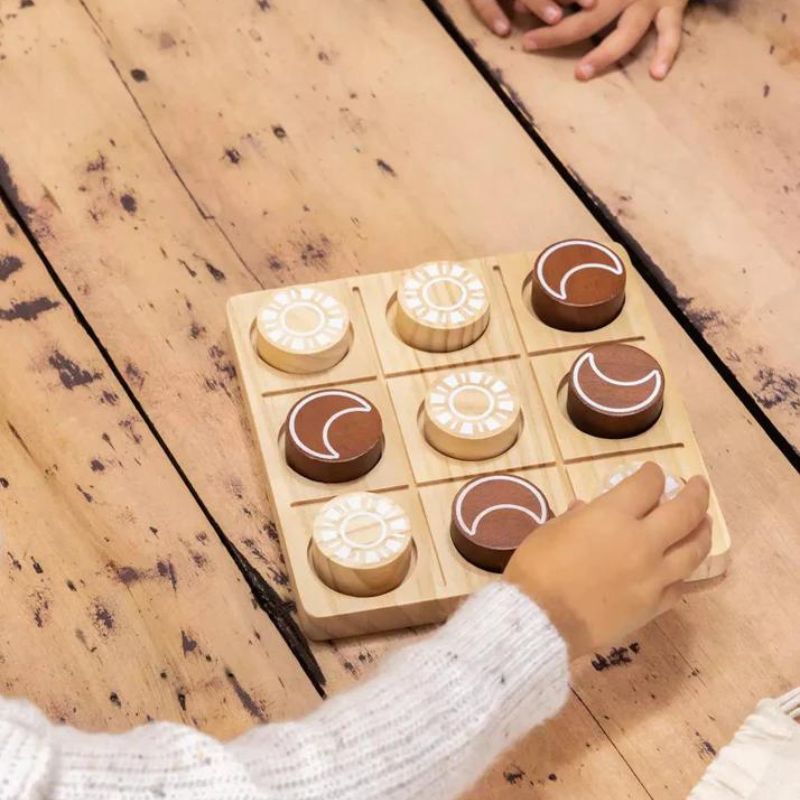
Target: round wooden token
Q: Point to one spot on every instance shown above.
(492, 515)
(672, 483)
(302, 330)
(615, 390)
(577, 285)
(333, 435)
(361, 544)
(441, 306)
(471, 414)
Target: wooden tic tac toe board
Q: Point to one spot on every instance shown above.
(362, 358)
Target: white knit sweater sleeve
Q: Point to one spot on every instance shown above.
(425, 726)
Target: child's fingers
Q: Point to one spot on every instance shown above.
(574, 28)
(492, 16)
(669, 21)
(637, 495)
(683, 558)
(547, 10)
(632, 25)
(676, 518)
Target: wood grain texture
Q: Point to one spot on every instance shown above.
(702, 170)
(367, 182)
(120, 604)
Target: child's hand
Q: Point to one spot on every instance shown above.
(604, 569)
(635, 19)
(549, 11)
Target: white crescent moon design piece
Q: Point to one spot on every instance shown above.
(539, 516)
(302, 329)
(360, 406)
(560, 292)
(492, 515)
(653, 377)
(441, 306)
(333, 435)
(615, 391)
(361, 543)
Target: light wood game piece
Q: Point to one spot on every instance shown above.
(615, 390)
(302, 330)
(492, 515)
(333, 435)
(672, 483)
(471, 414)
(361, 544)
(577, 285)
(441, 306)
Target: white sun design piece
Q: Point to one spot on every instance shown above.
(302, 329)
(362, 530)
(471, 414)
(442, 306)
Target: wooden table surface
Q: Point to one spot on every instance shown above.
(160, 155)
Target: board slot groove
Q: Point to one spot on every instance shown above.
(583, 345)
(315, 501)
(478, 362)
(624, 452)
(468, 476)
(312, 387)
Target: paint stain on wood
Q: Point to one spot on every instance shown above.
(114, 699)
(111, 398)
(86, 496)
(166, 40)
(4, 484)
(69, 373)
(263, 5)
(276, 264)
(248, 703)
(385, 167)
(103, 619)
(133, 374)
(513, 775)
(8, 185)
(97, 164)
(217, 274)
(8, 266)
(279, 131)
(617, 657)
(139, 75)
(128, 202)
(233, 155)
(188, 644)
(28, 310)
(777, 389)
(166, 569)
(765, 91)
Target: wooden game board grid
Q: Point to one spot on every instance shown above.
(549, 451)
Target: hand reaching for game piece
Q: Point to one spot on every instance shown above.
(606, 568)
(633, 20)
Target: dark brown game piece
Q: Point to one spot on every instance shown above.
(615, 390)
(492, 515)
(577, 285)
(333, 436)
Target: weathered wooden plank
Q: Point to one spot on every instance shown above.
(426, 208)
(120, 604)
(114, 204)
(702, 169)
